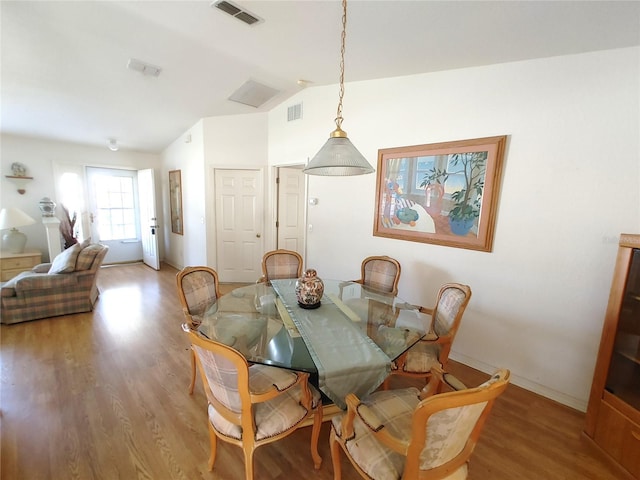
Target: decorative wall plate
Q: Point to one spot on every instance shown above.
(18, 169)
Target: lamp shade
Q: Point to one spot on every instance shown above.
(338, 157)
(13, 218)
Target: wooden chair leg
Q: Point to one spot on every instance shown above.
(248, 462)
(315, 436)
(193, 371)
(214, 443)
(335, 455)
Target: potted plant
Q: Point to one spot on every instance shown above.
(67, 228)
(468, 200)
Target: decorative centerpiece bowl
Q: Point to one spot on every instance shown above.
(309, 290)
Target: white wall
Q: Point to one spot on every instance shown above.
(570, 186)
(39, 156)
(185, 154)
(238, 142)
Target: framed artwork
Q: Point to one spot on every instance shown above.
(441, 193)
(175, 201)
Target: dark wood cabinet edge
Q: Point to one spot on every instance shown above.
(623, 263)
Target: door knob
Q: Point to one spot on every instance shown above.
(257, 235)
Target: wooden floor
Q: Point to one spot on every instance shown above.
(103, 395)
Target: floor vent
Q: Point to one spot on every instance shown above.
(294, 112)
(236, 11)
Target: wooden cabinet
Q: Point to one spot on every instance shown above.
(11, 264)
(613, 413)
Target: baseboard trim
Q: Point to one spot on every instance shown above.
(563, 398)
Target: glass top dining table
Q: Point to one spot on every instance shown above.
(264, 323)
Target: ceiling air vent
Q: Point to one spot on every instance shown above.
(143, 67)
(294, 112)
(236, 11)
(253, 94)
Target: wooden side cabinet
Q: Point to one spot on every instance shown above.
(11, 264)
(613, 413)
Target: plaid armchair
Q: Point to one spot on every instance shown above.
(68, 285)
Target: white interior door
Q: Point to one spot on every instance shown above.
(148, 220)
(291, 209)
(239, 200)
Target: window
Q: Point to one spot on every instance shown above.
(115, 207)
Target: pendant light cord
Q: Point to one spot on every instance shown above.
(342, 50)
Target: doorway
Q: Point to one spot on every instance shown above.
(114, 215)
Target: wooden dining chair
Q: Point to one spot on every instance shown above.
(409, 434)
(281, 263)
(198, 288)
(434, 347)
(250, 406)
(380, 273)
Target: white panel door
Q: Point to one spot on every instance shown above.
(239, 223)
(291, 207)
(148, 219)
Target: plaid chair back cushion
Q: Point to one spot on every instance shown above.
(199, 290)
(380, 275)
(281, 265)
(447, 309)
(87, 256)
(449, 430)
(222, 376)
(447, 434)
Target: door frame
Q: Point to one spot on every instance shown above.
(273, 210)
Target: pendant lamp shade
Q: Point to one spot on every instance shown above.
(338, 156)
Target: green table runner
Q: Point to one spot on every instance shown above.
(346, 359)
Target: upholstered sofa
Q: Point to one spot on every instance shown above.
(67, 285)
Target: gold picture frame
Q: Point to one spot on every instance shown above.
(442, 193)
(175, 201)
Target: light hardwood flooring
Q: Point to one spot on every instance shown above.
(103, 395)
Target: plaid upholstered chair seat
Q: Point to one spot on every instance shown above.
(421, 358)
(407, 434)
(65, 286)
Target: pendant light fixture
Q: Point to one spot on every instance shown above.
(338, 156)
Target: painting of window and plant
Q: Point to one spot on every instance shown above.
(444, 193)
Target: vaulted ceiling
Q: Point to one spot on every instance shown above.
(64, 68)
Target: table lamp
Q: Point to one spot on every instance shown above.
(11, 218)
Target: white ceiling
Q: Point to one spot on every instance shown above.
(63, 64)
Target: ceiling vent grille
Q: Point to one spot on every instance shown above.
(143, 67)
(294, 112)
(253, 94)
(237, 12)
